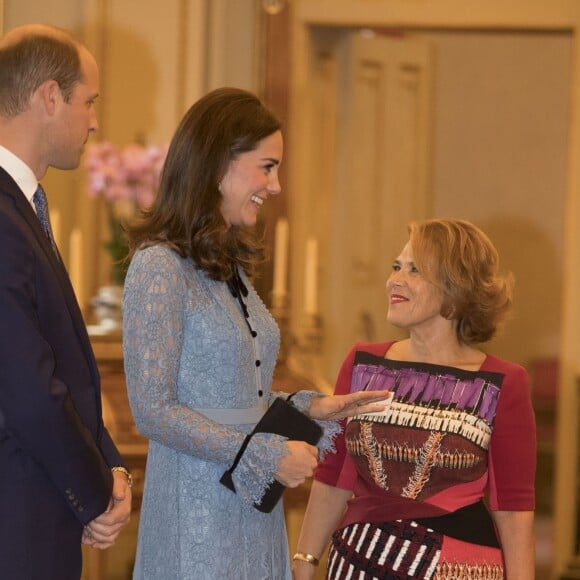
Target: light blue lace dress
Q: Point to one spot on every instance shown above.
(187, 347)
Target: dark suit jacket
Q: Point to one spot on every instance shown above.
(55, 454)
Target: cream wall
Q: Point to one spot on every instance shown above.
(155, 66)
(500, 159)
(64, 13)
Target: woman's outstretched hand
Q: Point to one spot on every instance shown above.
(341, 406)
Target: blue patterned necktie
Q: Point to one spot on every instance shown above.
(41, 205)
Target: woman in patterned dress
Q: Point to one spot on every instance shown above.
(200, 349)
(440, 486)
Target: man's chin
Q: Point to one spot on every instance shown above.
(68, 164)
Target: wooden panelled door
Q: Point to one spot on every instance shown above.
(383, 175)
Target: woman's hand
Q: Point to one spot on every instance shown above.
(298, 464)
(341, 406)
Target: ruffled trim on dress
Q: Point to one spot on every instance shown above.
(302, 400)
(255, 471)
(259, 463)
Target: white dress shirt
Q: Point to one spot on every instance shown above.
(20, 172)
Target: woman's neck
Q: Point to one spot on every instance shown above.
(441, 348)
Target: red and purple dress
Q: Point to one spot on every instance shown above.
(453, 445)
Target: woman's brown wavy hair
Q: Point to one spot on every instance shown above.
(460, 259)
(186, 213)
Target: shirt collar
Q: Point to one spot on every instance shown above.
(19, 171)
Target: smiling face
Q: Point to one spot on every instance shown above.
(414, 301)
(250, 179)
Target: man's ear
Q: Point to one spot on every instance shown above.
(49, 94)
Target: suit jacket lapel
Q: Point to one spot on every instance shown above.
(9, 187)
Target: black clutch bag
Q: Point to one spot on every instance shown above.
(281, 418)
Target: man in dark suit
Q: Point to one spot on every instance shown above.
(62, 481)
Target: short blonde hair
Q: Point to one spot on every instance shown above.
(460, 259)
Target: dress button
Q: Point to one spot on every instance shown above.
(254, 333)
(260, 393)
(258, 363)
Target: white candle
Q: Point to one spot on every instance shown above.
(311, 277)
(76, 263)
(280, 258)
(55, 225)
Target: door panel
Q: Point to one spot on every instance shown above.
(383, 176)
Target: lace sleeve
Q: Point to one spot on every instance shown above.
(331, 429)
(153, 309)
(256, 469)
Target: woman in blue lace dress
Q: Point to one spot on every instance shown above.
(200, 349)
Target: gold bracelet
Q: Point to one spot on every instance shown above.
(124, 471)
(303, 557)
